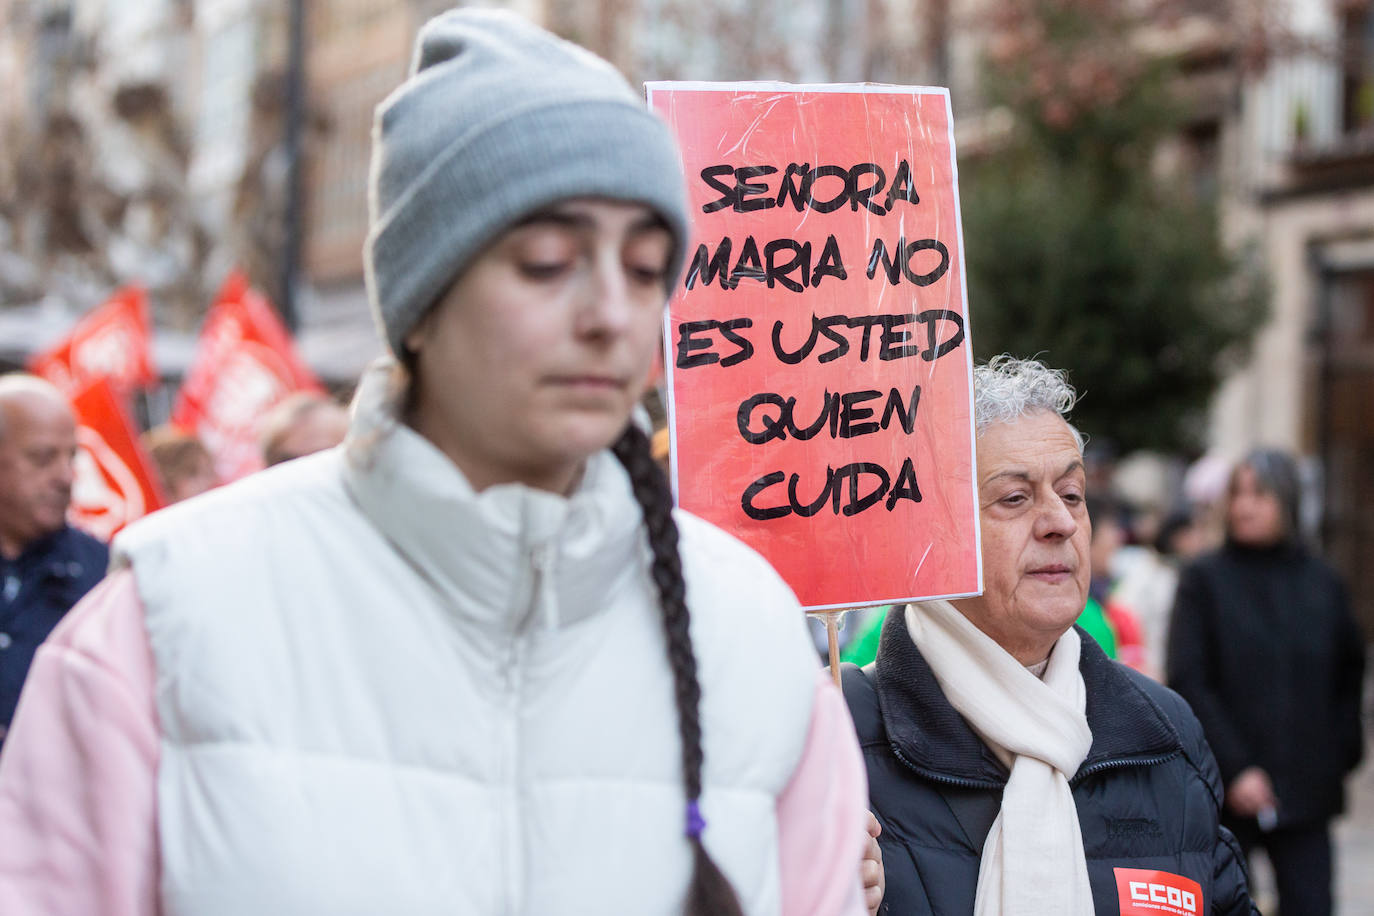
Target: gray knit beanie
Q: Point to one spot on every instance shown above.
(497, 120)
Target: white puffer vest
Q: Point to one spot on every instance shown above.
(380, 692)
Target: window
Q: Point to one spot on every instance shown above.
(1358, 58)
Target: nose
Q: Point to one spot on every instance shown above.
(606, 307)
(1056, 520)
(64, 470)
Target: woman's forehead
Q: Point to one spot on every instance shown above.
(577, 212)
(1037, 440)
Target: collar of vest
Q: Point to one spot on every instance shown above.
(928, 733)
(508, 557)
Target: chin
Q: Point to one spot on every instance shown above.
(1060, 615)
(590, 433)
(580, 444)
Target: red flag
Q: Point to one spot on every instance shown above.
(245, 363)
(112, 341)
(114, 480)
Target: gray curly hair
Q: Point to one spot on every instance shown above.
(1007, 388)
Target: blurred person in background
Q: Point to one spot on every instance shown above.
(1013, 767)
(1263, 645)
(183, 462)
(45, 564)
(1180, 538)
(301, 424)
(474, 661)
(1111, 539)
(1148, 578)
(1204, 488)
(1104, 539)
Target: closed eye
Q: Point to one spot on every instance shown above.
(543, 271)
(647, 276)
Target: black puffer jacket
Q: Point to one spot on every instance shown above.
(1147, 794)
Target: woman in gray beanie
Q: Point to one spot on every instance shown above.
(449, 666)
(1264, 647)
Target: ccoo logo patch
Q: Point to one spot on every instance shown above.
(1146, 892)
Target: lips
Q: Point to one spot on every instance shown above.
(598, 379)
(591, 381)
(1051, 573)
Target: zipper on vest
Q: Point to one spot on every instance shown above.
(1122, 762)
(1077, 777)
(514, 778)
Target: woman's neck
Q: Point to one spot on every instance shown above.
(484, 470)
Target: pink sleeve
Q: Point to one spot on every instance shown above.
(78, 775)
(822, 816)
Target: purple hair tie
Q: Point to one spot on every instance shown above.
(695, 822)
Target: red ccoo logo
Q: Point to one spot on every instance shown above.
(1146, 892)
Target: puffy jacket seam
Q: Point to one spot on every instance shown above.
(1233, 844)
(397, 765)
(1190, 754)
(1202, 777)
(1202, 850)
(742, 788)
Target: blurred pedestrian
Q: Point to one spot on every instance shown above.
(1012, 766)
(1147, 577)
(473, 661)
(301, 424)
(1263, 644)
(183, 463)
(1111, 537)
(45, 564)
(1180, 538)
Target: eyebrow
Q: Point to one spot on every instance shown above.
(572, 219)
(1020, 474)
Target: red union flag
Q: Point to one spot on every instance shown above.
(113, 484)
(818, 356)
(245, 363)
(109, 342)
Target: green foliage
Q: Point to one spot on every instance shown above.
(1078, 254)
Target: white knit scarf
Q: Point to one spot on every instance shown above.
(1033, 863)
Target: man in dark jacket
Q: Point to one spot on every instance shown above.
(1014, 768)
(45, 566)
(1264, 647)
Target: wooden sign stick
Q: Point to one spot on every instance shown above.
(832, 637)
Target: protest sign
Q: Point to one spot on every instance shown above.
(112, 342)
(113, 483)
(245, 363)
(818, 354)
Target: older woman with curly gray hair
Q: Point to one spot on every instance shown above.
(1013, 767)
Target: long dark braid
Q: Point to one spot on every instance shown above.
(709, 893)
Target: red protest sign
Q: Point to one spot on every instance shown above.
(245, 363)
(818, 353)
(113, 482)
(112, 342)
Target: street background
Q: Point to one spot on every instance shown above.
(1173, 200)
